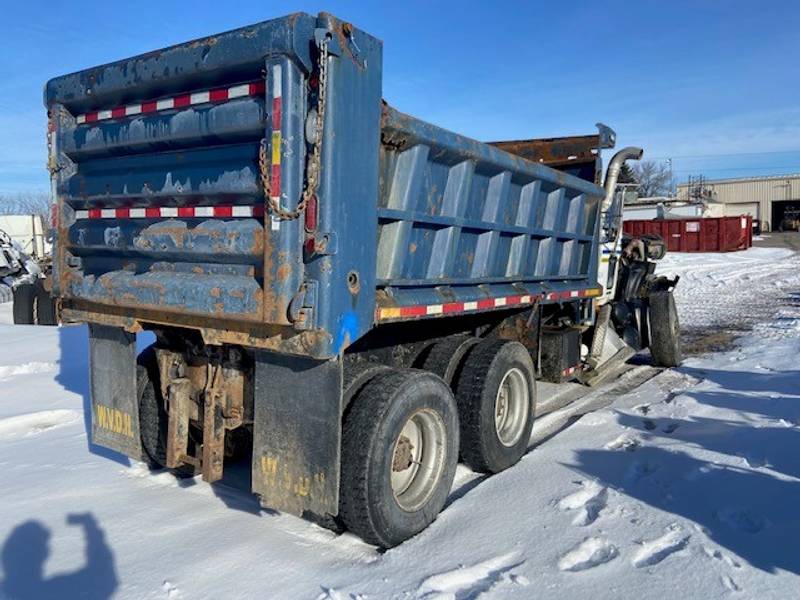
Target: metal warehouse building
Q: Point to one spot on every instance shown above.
(764, 198)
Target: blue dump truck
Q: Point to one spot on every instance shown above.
(355, 298)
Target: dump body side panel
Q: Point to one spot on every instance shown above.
(462, 222)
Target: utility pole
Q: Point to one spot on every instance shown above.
(671, 179)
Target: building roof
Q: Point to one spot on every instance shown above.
(744, 179)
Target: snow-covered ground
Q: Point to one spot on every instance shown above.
(686, 487)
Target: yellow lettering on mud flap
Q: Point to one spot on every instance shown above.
(114, 420)
(303, 486)
(269, 467)
(283, 479)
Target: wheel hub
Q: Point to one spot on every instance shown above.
(403, 457)
(418, 459)
(512, 407)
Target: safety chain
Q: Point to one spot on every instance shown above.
(313, 166)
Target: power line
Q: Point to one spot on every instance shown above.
(763, 153)
(793, 168)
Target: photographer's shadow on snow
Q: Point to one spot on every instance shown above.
(25, 553)
(750, 513)
(73, 375)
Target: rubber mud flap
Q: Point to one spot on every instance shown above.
(297, 433)
(115, 414)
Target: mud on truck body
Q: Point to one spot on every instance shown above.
(354, 296)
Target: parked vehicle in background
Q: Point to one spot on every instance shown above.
(30, 233)
(353, 295)
(24, 276)
(791, 220)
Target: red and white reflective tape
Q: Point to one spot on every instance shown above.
(448, 308)
(453, 307)
(214, 96)
(571, 370)
(162, 212)
(277, 123)
(572, 294)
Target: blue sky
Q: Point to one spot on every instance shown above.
(714, 84)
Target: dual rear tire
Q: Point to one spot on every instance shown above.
(496, 396)
(33, 305)
(399, 456)
(405, 428)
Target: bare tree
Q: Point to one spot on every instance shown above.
(626, 174)
(26, 203)
(654, 178)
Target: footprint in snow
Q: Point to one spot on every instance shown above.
(730, 584)
(742, 519)
(170, 590)
(654, 551)
(332, 594)
(588, 554)
(468, 582)
(671, 428)
(639, 470)
(36, 422)
(698, 473)
(718, 555)
(623, 442)
(588, 501)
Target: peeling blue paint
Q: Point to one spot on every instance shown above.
(348, 331)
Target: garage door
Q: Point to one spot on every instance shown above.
(742, 208)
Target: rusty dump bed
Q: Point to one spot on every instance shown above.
(576, 155)
(168, 169)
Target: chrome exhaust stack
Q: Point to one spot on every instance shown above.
(612, 172)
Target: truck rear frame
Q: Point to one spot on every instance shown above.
(320, 268)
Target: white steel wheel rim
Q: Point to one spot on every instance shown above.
(511, 407)
(418, 459)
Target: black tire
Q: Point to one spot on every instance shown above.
(45, 307)
(371, 435)
(23, 308)
(665, 334)
(485, 369)
(356, 376)
(446, 356)
(153, 417)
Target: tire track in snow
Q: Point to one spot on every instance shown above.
(468, 582)
(724, 296)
